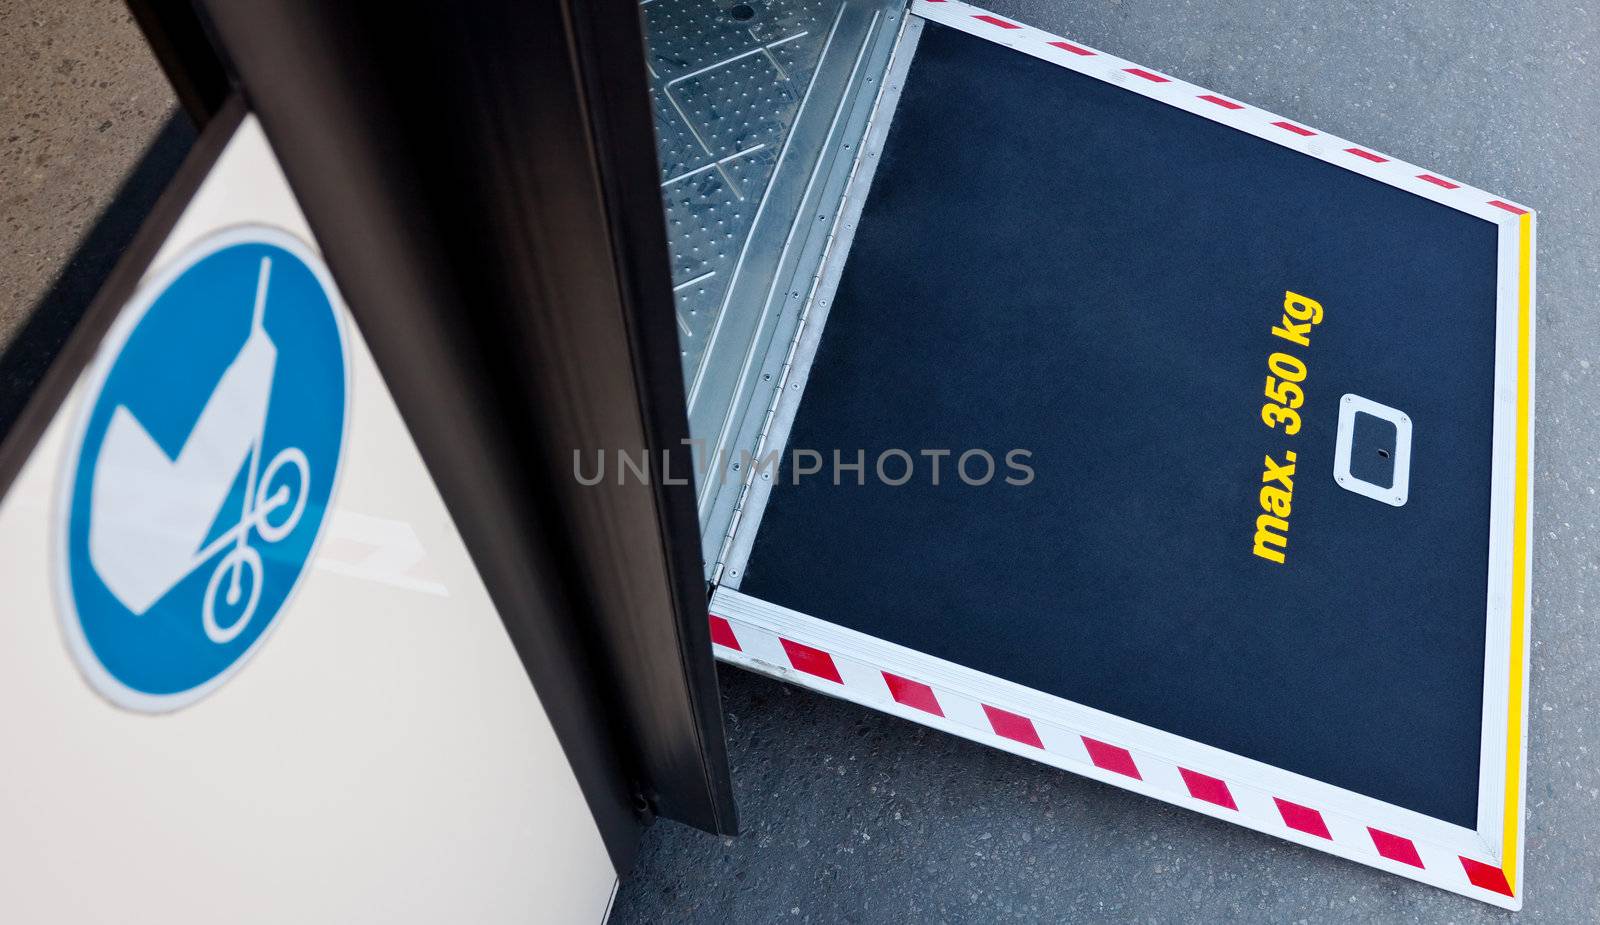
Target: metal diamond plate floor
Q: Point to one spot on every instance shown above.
(728, 80)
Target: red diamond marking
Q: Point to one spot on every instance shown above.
(1111, 757)
(1502, 204)
(722, 633)
(1013, 726)
(1208, 788)
(811, 661)
(1438, 181)
(1075, 49)
(1147, 75)
(1375, 158)
(1225, 104)
(1302, 818)
(997, 21)
(1395, 848)
(1486, 876)
(1297, 129)
(912, 694)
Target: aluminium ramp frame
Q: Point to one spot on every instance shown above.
(765, 623)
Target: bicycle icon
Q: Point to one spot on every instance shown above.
(243, 556)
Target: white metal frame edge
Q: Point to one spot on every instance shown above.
(760, 629)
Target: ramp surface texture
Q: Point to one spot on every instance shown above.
(1049, 263)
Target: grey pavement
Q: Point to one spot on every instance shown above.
(853, 816)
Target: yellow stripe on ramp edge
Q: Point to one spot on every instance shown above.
(1519, 557)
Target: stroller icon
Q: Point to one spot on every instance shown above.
(152, 513)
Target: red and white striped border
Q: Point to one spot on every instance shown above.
(1171, 90)
(803, 650)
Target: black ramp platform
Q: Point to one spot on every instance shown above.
(1051, 263)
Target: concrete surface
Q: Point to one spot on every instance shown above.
(852, 816)
(80, 98)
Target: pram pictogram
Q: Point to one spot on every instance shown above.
(152, 513)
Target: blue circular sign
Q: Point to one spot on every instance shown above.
(208, 448)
